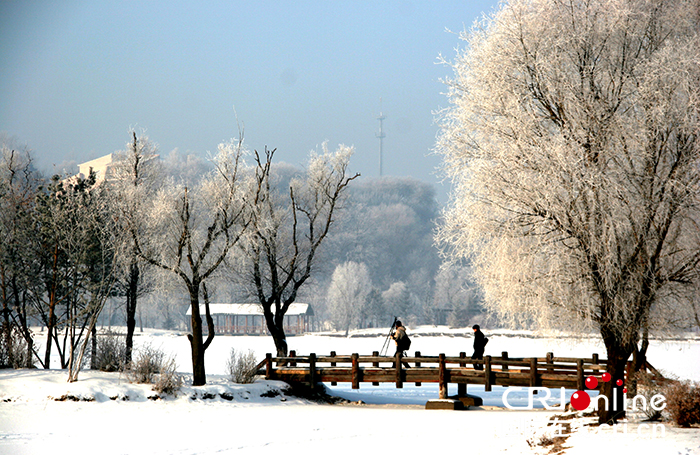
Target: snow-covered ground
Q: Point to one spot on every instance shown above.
(223, 417)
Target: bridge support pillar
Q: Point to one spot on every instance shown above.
(442, 377)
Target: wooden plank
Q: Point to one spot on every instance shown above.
(335, 359)
(445, 404)
(378, 375)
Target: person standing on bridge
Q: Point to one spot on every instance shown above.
(403, 342)
(479, 346)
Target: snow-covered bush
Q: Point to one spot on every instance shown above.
(684, 402)
(147, 363)
(14, 354)
(168, 381)
(110, 353)
(151, 366)
(242, 366)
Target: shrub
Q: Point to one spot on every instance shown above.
(150, 366)
(147, 362)
(684, 402)
(111, 352)
(241, 367)
(15, 354)
(647, 387)
(168, 381)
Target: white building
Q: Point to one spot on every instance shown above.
(101, 166)
(248, 319)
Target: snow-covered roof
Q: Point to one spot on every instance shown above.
(253, 309)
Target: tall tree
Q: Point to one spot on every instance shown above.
(387, 223)
(94, 257)
(572, 141)
(191, 231)
(18, 187)
(135, 178)
(347, 295)
(73, 247)
(287, 229)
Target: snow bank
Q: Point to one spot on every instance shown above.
(115, 417)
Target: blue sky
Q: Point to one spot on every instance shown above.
(77, 75)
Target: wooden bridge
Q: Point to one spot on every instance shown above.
(548, 371)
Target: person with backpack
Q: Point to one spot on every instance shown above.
(479, 346)
(403, 342)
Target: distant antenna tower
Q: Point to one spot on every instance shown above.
(381, 135)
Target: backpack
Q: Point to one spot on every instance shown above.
(404, 343)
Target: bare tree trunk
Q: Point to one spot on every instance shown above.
(93, 356)
(7, 333)
(617, 363)
(76, 360)
(50, 327)
(277, 332)
(131, 299)
(639, 361)
(199, 375)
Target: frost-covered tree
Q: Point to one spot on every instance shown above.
(135, 177)
(456, 293)
(388, 224)
(72, 244)
(191, 231)
(572, 142)
(397, 300)
(347, 294)
(287, 228)
(18, 187)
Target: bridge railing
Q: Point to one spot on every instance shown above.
(548, 371)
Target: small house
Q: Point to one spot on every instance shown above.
(248, 319)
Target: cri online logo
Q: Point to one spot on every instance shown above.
(580, 399)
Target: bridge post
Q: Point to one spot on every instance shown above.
(487, 373)
(333, 364)
(442, 377)
(550, 362)
(292, 353)
(417, 354)
(461, 387)
(375, 364)
(397, 361)
(504, 365)
(533, 372)
(579, 374)
(312, 370)
(355, 370)
(268, 366)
